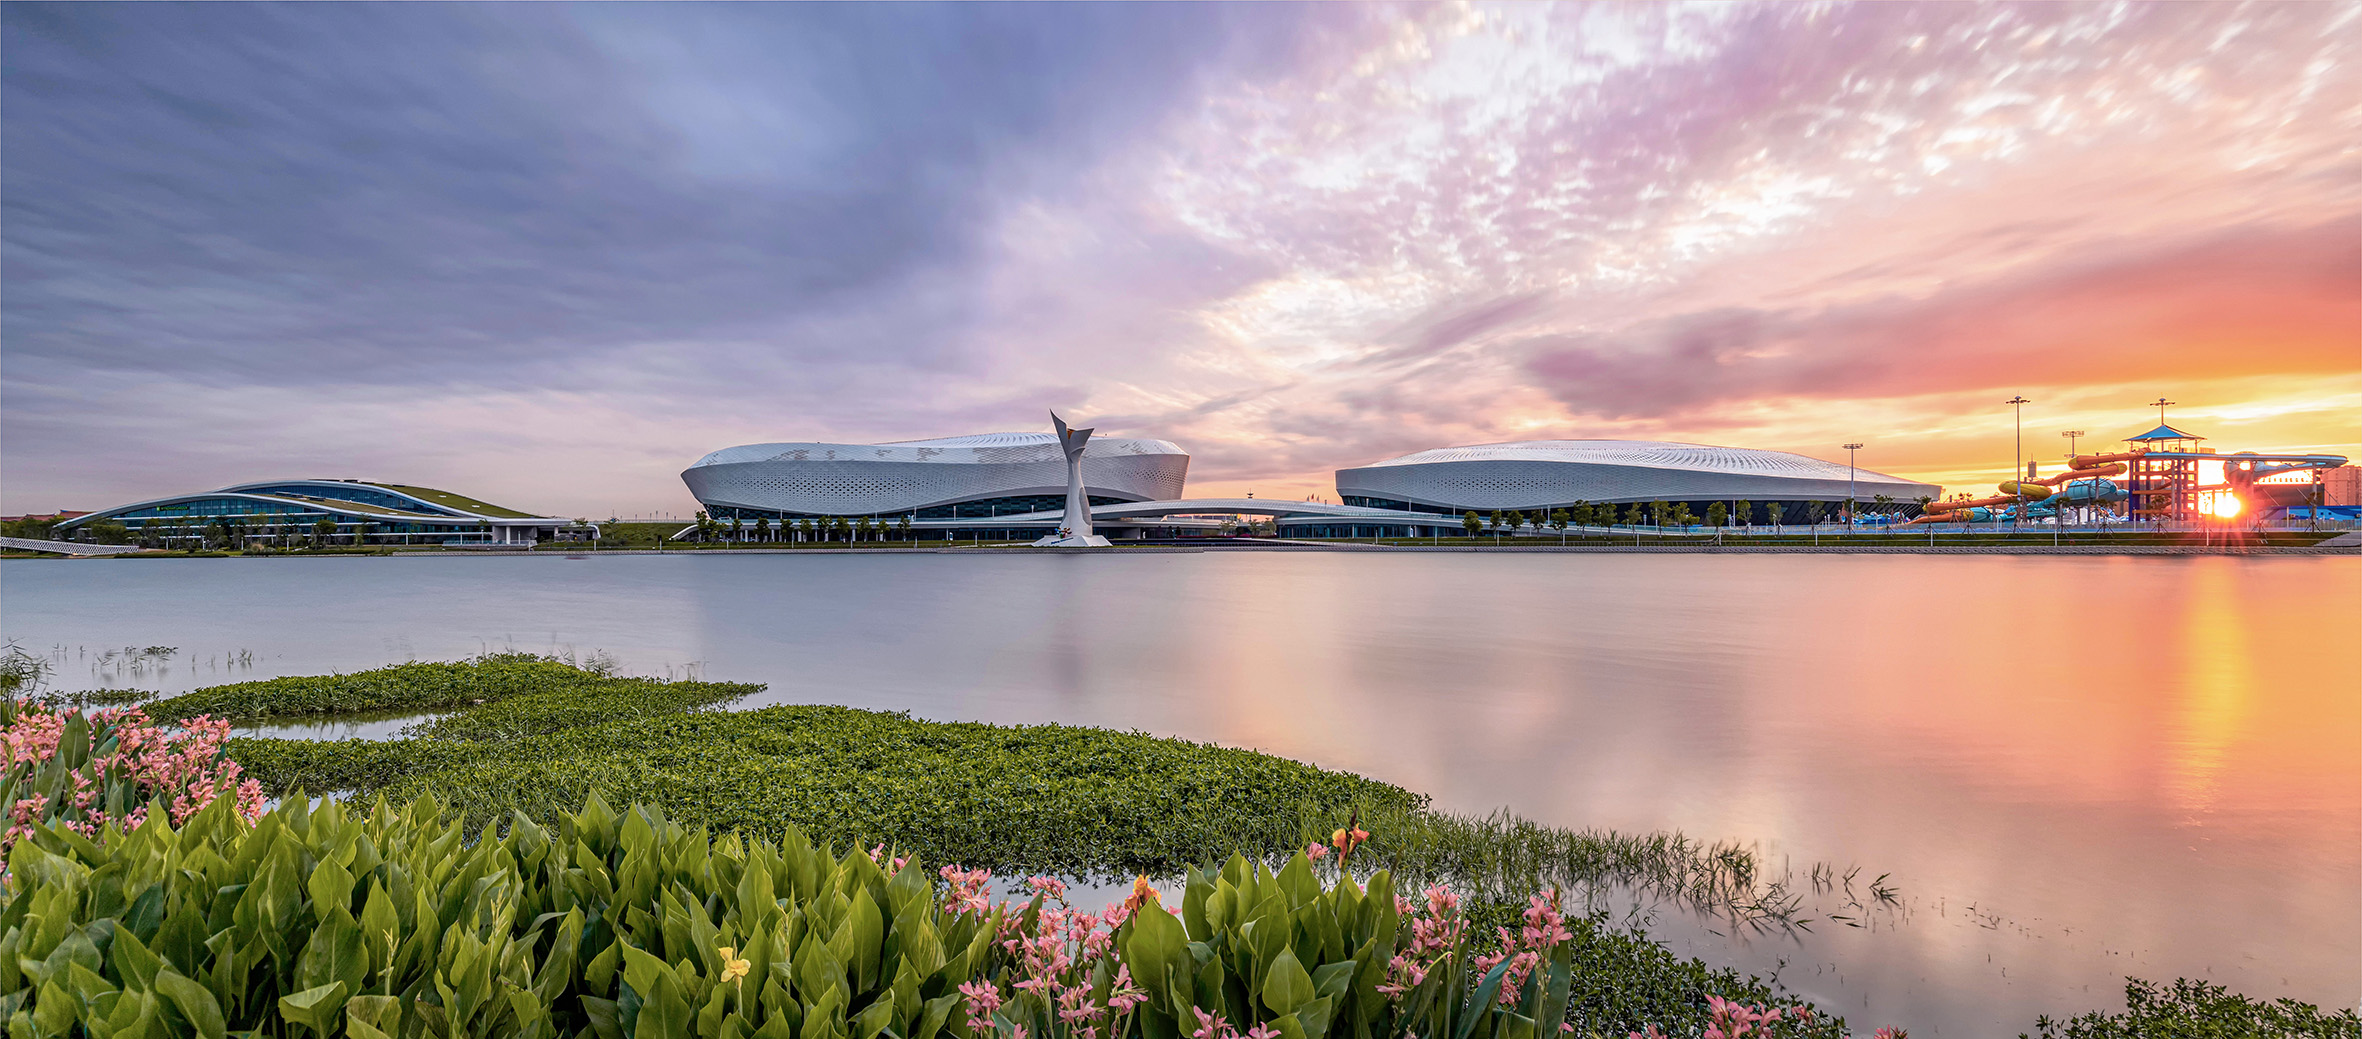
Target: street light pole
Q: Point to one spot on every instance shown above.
(1849, 485)
(2017, 465)
(2072, 435)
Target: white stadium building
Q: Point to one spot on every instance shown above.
(965, 482)
(1541, 475)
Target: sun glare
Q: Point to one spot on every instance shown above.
(2225, 506)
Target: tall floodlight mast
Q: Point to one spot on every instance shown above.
(1074, 531)
(1849, 485)
(2017, 465)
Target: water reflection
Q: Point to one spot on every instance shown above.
(2075, 769)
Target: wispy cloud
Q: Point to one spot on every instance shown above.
(1291, 238)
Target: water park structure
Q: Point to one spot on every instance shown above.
(2161, 477)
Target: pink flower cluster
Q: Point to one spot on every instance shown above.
(1054, 958)
(1436, 932)
(965, 891)
(1524, 949)
(1736, 1020)
(1212, 1026)
(185, 769)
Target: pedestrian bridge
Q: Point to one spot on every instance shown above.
(67, 548)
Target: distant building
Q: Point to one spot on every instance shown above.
(1541, 475)
(2342, 487)
(360, 512)
(986, 475)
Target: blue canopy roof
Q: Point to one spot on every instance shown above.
(2164, 432)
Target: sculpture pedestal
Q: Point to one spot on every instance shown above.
(1069, 541)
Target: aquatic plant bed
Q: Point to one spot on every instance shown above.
(539, 736)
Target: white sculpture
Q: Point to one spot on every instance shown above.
(1075, 530)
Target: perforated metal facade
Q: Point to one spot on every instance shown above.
(1547, 473)
(885, 479)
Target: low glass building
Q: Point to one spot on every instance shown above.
(354, 512)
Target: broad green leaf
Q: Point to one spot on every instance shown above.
(316, 1008)
(1297, 880)
(1286, 986)
(196, 1005)
(664, 1013)
(373, 1017)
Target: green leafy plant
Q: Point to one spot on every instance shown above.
(323, 921)
(2197, 1010)
(85, 772)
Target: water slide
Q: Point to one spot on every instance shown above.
(2085, 482)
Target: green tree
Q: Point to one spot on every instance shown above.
(1717, 515)
(904, 526)
(762, 528)
(1558, 519)
(737, 529)
(324, 531)
(1471, 522)
(1744, 514)
(1516, 522)
(1493, 522)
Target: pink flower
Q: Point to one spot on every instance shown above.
(983, 999)
(1315, 851)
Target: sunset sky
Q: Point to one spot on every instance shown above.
(550, 255)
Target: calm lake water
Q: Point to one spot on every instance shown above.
(2074, 768)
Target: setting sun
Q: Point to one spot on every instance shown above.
(2225, 506)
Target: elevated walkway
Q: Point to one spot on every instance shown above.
(66, 548)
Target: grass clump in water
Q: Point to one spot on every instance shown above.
(398, 687)
(2197, 1010)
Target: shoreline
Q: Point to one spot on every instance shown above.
(1299, 546)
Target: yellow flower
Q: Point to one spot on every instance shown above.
(733, 968)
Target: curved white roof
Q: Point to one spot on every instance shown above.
(1531, 473)
(870, 479)
(1650, 454)
(976, 448)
